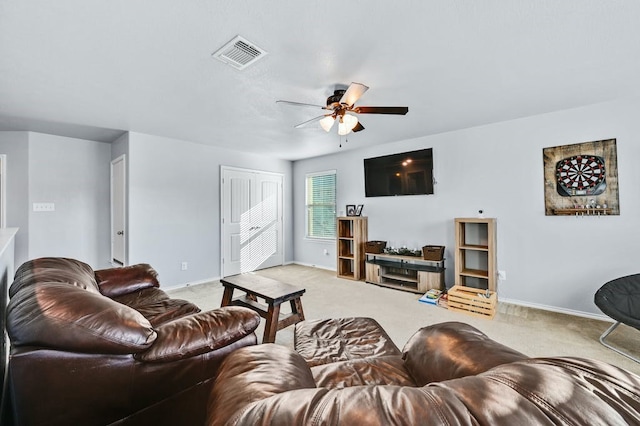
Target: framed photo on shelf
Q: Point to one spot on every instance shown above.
(351, 210)
(359, 209)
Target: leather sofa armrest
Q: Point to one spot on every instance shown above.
(254, 373)
(451, 350)
(198, 333)
(114, 282)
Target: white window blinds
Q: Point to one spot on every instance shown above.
(321, 204)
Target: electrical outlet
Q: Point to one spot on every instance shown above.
(184, 266)
(502, 275)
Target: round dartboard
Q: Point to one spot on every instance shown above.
(581, 175)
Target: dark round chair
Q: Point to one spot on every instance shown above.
(620, 300)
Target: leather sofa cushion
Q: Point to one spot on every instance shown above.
(54, 269)
(156, 305)
(340, 339)
(383, 370)
(550, 391)
(199, 333)
(118, 281)
(66, 317)
(451, 350)
(253, 374)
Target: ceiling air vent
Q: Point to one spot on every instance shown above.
(239, 53)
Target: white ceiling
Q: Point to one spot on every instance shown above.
(94, 68)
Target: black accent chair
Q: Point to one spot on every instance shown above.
(620, 300)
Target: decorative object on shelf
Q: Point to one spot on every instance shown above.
(375, 247)
(359, 209)
(581, 179)
(351, 210)
(403, 251)
(433, 252)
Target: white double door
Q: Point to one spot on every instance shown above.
(251, 220)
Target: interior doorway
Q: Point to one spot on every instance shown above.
(251, 220)
(119, 211)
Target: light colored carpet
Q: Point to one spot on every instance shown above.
(534, 332)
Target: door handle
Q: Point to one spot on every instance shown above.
(120, 232)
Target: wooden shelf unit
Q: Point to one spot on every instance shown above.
(352, 234)
(475, 253)
(408, 273)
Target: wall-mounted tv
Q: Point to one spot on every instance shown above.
(407, 173)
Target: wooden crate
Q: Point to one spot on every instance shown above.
(472, 301)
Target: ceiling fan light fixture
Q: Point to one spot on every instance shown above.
(350, 121)
(342, 128)
(327, 123)
(347, 123)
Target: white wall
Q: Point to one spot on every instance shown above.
(16, 146)
(552, 262)
(73, 174)
(174, 205)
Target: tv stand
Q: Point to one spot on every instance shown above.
(407, 273)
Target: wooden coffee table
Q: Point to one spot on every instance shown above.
(273, 292)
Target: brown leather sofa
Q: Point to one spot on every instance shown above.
(448, 373)
(110, 347)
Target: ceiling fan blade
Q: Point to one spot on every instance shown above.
(353, 93)
(358, 127)
(381, 110)
(300, 104)
(304, 123)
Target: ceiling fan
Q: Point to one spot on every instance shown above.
(342, 109)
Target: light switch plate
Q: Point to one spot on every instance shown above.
(44, 207)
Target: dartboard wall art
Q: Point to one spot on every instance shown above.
(581, 175)
(581, 179)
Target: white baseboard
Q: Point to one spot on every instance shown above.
(558, 310)
(189, 284)
(326, 268)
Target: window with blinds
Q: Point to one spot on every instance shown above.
(321, 204)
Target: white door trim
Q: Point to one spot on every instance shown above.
(223, 170)
(122, 158)
(3, 190)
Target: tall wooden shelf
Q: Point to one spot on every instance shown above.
(352, 234)
(475, 253)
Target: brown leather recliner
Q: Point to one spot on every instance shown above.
(110, 347)
(448, 373)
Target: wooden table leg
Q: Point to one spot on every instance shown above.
(271, 326)
(227, 296)
(296, 308)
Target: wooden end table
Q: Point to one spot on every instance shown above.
(274, 294)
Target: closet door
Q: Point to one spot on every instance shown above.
(251, 212)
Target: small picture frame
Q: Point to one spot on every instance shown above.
(351, 210)
(359, 209)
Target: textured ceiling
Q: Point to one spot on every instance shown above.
(92, 68)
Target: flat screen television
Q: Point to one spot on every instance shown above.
(407, 173)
